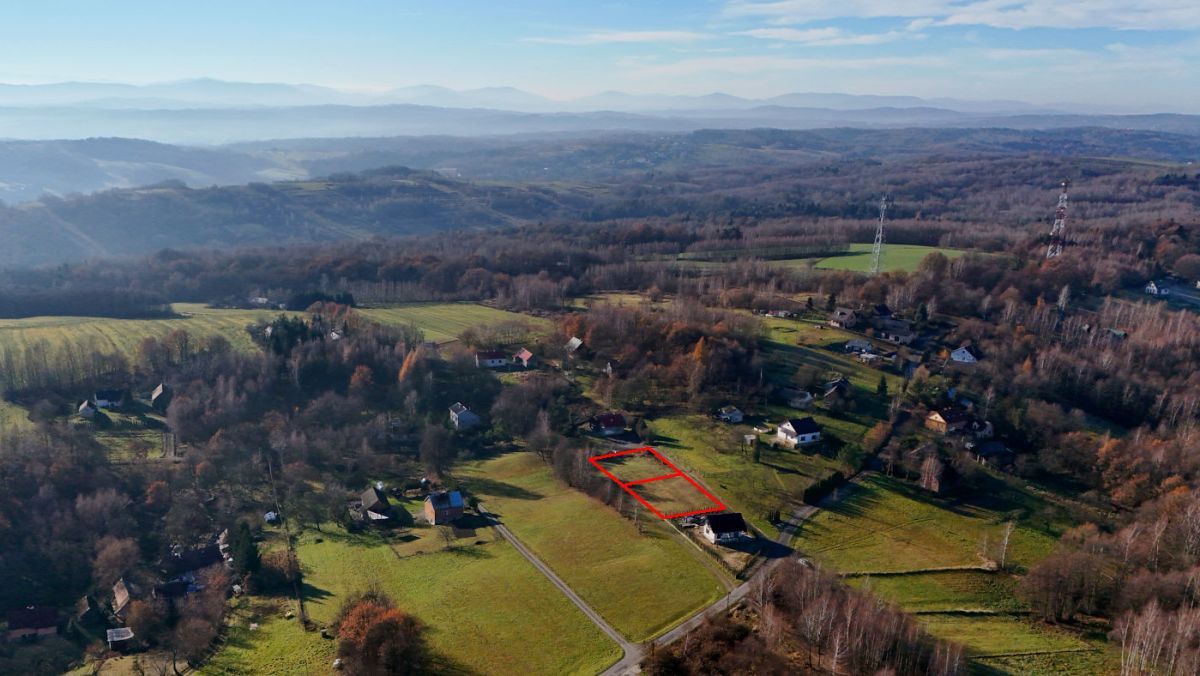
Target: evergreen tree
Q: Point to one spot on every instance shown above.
(882, 388)
(244, 550)
(831, 303)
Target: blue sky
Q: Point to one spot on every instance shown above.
(1106, 53)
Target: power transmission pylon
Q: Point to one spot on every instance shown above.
(877, 250)
(1058, 230)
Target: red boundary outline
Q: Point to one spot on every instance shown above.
(678, 473)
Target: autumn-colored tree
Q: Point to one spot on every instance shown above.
(374, 637)
(362, 379)
(146, 618)
(158, 495)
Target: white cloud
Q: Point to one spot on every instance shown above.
(621, 37)
(1014, 14)
(826, 37)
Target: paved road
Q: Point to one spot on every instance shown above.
(632, 651)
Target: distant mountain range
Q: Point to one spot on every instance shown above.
(30, 170)
(207, 92)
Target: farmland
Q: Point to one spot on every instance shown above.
(896, 257)
(24, 341)
(486, 608)
(276, 646)
(894, 538)
(641, 583)
(443, 322)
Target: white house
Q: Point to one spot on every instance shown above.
(722, 528)
(963, 355)
(798, 432)
(1157, 288)
(462, 417)
(490, 359)
(730, 414)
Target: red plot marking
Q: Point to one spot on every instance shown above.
(678, 473)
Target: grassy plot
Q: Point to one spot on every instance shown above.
(674, 496)
(641, 583)
(276, 646)
(885, 525)
(791, 344)
(896, 257)
(442, 322)
(710, 453)
(636, 466)
(487, 609)
(24, 341)
(13, 417)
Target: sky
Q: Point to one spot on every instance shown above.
(1108, 54)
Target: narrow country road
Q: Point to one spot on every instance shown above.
(632, 651)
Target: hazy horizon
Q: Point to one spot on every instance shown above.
(1084, 54)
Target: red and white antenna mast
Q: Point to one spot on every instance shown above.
(1058, 230)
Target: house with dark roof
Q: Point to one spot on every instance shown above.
(191, 559)
(32, 621)
(798, 432)
(444, 507)
(609, 424)
(895, 331)
(490, 359)
(724, 528)
(376, 508)
(843, 318)
(462, 417)
(730, 414)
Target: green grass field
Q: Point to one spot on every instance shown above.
(487, 609)
(277, 646)
(442, 322)
(896, 257)
(23, 341)
(13, 417)
(635, 467)
(883, 525)
(709, 452)
(791, 344)
(643, 584)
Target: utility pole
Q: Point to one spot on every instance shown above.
(877, 249)
(1058, 230)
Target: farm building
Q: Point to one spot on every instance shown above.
(123, 593)
(796, 398)
(1157, 288)
(858, 345)
(160, 398)
(524, 357)
(462, 417)
(946, 420)
(730, 414)
(843, 318)
(32, 621)
(964, 355)
(895, 331)
(838, 387)
(609, 424)
(722, 528)
(376, 509)
(798, 432)
(991, 454)
(443, 507)
(109, 398)
(490, 359)
(573, 344)
(87, 410)
(118, 638)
